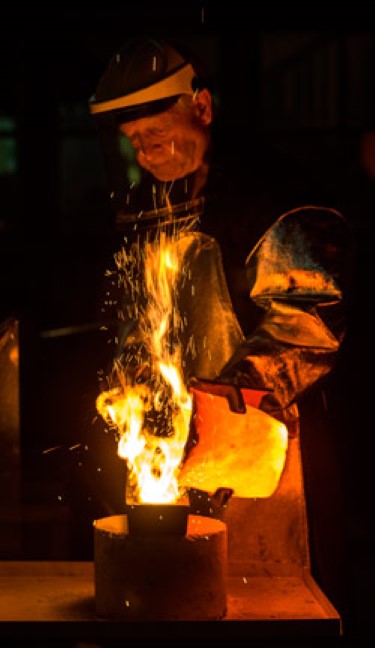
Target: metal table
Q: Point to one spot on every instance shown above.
(48, 601)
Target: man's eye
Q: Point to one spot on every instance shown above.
(159, 132)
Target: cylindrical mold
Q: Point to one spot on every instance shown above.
(160, 576)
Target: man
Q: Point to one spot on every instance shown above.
(293, 264)
(271, 276)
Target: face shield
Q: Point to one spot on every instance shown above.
(141, 80)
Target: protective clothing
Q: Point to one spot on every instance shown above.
(294, 275)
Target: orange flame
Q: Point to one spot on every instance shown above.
(138, 411)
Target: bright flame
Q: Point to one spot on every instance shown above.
(152, 416)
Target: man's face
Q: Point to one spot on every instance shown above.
(172, 144)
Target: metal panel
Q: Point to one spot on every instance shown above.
(268, 536)
(10, 527)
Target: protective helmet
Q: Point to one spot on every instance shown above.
(144, 77)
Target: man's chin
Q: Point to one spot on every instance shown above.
(167, 175)
(164, 177)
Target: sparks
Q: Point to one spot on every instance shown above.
(150, 407)
(52, 449)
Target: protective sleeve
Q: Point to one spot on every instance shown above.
(300, 274)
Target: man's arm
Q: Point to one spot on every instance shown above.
(300, 275)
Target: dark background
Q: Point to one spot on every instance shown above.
(303, 77)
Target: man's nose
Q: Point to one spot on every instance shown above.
(149, 149)
(148, 153)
